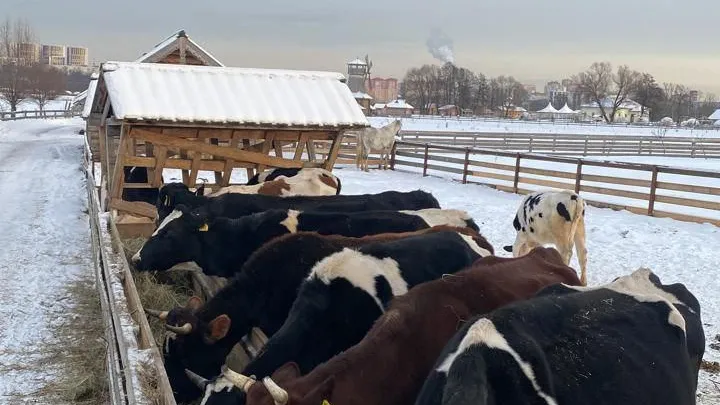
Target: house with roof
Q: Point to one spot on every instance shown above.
(627, 112)
(365, 101)
(398, 108)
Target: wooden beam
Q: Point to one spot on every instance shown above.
(160, 158)
(118, 172)
(332, 154)
(299, 149)
(134, 207)
(224, 152)
(269, 138)
(230, 163)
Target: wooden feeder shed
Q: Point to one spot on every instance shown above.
(214, 119)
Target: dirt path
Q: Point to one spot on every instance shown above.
(44, 248)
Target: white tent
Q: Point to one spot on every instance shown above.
(715, 115)
(548, 110)
(566, 110)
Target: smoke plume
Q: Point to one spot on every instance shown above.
(440, 46)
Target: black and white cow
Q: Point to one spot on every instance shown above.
(220, 246)
(272, 174)
(632, 341)
(347, 291)
(261, 296)
(552, 217)
(138, 175)
(307, 182)
(238, 205)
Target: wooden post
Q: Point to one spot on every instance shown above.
(692, 149)
(517, 174)
(392, 156)
(578, 176)
(467, 163)
(425, 161)
(640, 147)
(586, 146)
(653, 188)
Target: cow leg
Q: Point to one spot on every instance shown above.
(579, 239)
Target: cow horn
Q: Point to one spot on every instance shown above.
(198, 380)
(239, 380)
(162, 315)
(180, 330)
(279, 395)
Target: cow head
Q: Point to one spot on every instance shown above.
(173, 194)
(192, 343)
(176, 240)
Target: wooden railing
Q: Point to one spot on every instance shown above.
(22, 115)
(577, 145)
(654, 190)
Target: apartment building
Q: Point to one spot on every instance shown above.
(383, 90)
(54, 55)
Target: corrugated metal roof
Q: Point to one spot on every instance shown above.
(89, 98)
(222, 95)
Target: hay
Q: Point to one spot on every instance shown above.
(82, 352)
(158, 290)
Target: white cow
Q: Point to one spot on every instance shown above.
(380, 139)
(307, 182)
(552, 217)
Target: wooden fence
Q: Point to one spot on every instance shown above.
(22, 115)
(645, 186)
(579, 145)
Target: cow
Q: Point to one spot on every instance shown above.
(625, 342)
(221, 245)
(307, 182)
(272, 174)
(552, 217)
(380, 139)
(134, 175)
(390, 364)
(261, 295)
(347, 291)
(237, 205)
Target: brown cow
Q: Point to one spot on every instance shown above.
(389, 366)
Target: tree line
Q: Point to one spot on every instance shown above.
(24, 78)
(600, 84)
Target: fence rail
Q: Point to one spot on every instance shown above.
(22, 115)
(581, 145)
(641, 189)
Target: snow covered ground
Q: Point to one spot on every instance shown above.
(437, 124)
(45, 246)
(60, 103)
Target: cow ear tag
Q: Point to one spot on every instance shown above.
(203, 228)
(325, 402)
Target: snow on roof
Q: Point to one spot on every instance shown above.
(377, 106)
(447, 107)
(715, 115)
(362, 96)
(168, 44)
(400, 103)
(208, 94)
(566, 110)
(548, 109)
(90, 97)
(608, 102)
(357, 62)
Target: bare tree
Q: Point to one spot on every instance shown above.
(649, 94)
(45, 83)
(422, 86)
(14, 84)
(678, 101)
(595, 82)
(12, 35)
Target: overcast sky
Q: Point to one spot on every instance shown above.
(533, 40)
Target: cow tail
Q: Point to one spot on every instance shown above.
(577, 216)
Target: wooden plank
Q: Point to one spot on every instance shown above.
(616, 180)
(497, 176)
(517, 174)
(300, 145)
(266, 146)
(194, 168)
(687, 202)
(134, 207)
(686, 218)
(617, 193)
(160, 158)
(230, 163)
(332, 154)
(118, 172)
(546, 183)
(225, 152)
(688, 188)
(653, 190)
(544, 172)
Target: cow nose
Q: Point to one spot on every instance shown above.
(136, 258)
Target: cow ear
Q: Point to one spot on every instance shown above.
(204, 228)
(200, 191)
(219, 328)
(286, 373)
(194, 303)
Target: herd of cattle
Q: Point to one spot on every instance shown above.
(389, 299)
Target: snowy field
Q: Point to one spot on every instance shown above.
(536, 127)
(45, 247)
(61, 103)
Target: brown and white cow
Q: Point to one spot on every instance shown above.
(307, 182)
(552, 217)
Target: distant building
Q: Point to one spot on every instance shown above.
(396, 108)
(383, 90)
(365, 100)
(530, 88)
(28, 53)
(76, 56)
(357, 74)
(628, 111)
(53, 55)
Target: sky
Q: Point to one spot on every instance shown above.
(534, 41)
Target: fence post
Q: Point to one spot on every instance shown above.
(467, 163)
(586, 146)
(692, 149)
(392, 156)
(425, 161)
(640, 148)
(517, 174)
(578, 176)
(653, 188)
